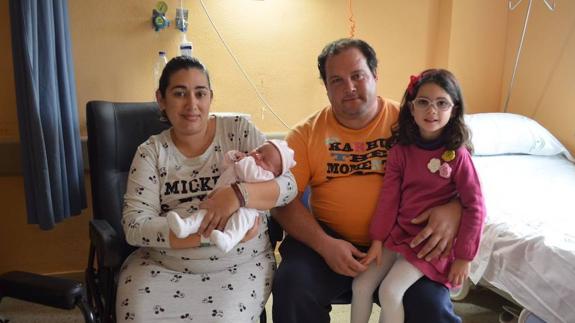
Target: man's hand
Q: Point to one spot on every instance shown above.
(220, 205)
(441, 229)
(341, 255)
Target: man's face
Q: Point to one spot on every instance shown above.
(351, 88)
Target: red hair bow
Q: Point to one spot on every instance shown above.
(413, 80)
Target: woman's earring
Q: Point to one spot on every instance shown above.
(163, 116)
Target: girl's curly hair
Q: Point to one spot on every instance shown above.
(455, 133)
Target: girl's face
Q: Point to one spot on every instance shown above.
(431, 110)
(187, 101)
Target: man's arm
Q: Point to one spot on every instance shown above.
(299, 223)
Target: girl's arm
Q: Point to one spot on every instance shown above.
(445, 222)
(374, 253)
(458, 272)
(473, 208)
(386, 212)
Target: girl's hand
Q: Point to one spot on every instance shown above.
(459, 272)
(374, 252)
(220, 205)
(342, 257)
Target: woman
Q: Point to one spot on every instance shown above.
(167, 278)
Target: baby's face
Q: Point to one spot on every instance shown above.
(268, 157)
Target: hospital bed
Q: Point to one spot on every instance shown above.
(527, 252)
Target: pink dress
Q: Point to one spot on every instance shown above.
(413, 183)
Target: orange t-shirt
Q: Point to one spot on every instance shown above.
(344, 168)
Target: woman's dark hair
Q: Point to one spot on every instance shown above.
(455, 133)
(177, 63)
(340, 45)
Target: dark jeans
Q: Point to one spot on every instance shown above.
(304, 287)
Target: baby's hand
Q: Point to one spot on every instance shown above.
(459, 272)
(238, 155)
(251, 233)
(374, 253)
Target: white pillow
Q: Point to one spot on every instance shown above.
(507, 133)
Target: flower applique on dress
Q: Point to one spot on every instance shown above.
(434, 165)
(448, 155)
(445, 170)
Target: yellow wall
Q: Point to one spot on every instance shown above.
(545, 77)
(8, 128)
(476, 54)
(26, 247)
(277, 43)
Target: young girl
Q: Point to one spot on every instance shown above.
(429, 166)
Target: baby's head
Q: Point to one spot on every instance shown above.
(275, 156)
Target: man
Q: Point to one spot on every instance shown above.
(340, 153)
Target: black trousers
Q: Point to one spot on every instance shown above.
(304, 287)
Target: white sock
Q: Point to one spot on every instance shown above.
(223, 241)
(182, 227)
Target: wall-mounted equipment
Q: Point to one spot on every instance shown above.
(159, 19)
(182, 19)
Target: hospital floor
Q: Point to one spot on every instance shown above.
(480, 306)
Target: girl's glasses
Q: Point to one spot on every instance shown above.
(424, 103)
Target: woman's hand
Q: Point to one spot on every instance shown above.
(441, 229)
(190, 241)
(220, 205)
(194, 240)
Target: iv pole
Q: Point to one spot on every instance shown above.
(511, 8)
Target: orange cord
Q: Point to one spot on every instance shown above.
(351, 21)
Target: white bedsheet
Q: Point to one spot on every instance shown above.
(528, 246)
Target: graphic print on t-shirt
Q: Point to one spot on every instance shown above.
(188, 191)
(356, 158)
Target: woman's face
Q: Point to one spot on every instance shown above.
(187, 101)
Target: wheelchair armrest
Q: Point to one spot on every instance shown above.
(108, 243)
(51, 291)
